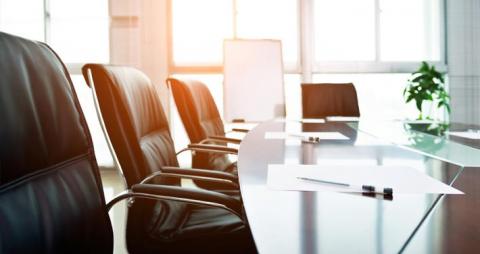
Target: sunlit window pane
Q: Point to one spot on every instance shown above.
(270, 19)
(23, 18)
(199, 29)
(79, 33)
(344, 30)
(386, 89)
(410, 30)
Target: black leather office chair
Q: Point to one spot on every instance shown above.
(138, 130)
(323, 100)
(51, 197)
(203, 123)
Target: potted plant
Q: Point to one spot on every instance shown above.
(427, 84)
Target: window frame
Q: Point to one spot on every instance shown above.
(307, 65)
(379, 66)
(74, 68)
(216, 69)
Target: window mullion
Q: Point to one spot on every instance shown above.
(377, 31)
(306, 39)
(443, 32)
(46, 21)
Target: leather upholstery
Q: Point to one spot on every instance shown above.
(201, 119)
(134, 119)
(197, 109)
(138, 129)
(51, 198)
(322, 100)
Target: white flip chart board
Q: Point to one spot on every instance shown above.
(253, 80)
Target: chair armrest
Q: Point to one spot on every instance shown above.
(209, 149)
(213, 148)
(201, 172)
(240, 130)
(184, 173)
(176, 193)
(221, 139)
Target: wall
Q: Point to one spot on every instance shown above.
(463, 56)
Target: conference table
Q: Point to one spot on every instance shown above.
(333, 222)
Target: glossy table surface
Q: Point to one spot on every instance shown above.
(328, 222)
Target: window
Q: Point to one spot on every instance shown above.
(372, 43)
(200, 27)
(77, 32)
(16, 19)
(344, 30)
(410, 30)
(376, 35)
(380, 95)
(346, 36)
(256, 20)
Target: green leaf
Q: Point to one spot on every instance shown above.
(419, 78)
(410, 97)
(424, 67)
(418, 103)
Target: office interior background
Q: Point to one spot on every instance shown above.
(375, 44)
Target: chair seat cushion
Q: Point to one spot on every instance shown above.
(209, 220)
(202, 229)
(218, 162)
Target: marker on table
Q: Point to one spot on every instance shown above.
(364, 188)
(310, 139)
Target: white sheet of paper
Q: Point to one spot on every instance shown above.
(305, 135)
(303, 120)
(465, 134)
(342, 119)
(402, 179)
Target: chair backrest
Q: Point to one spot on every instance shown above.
(323, 100)
(197, 109)
(51, 198)
(253, 86)
(134, 120)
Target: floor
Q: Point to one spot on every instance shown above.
(112, 185)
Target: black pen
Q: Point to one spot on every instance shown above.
(364, 188)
